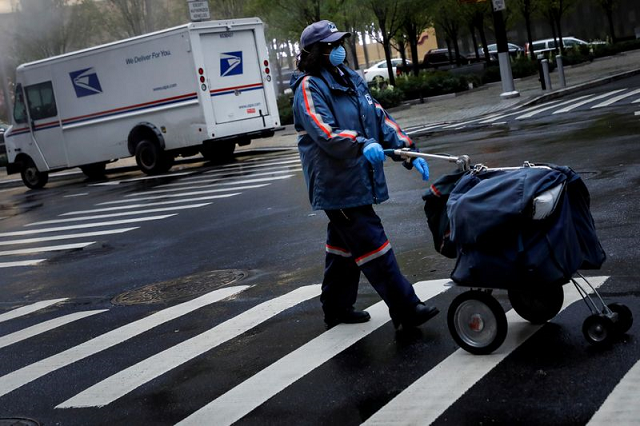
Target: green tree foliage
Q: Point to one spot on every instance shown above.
(449, 18)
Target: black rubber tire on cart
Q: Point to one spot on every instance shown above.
(94, 170)
(31, 177)
(599, 330)
(477, 322)
(151, 159)
(535, 304)
(625, 317)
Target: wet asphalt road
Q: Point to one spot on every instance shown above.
(270, 239)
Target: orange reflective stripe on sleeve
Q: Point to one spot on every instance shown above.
(317, 118)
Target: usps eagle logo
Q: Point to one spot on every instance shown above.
(85, 82)
(230, 63)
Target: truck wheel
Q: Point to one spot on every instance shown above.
(31, 177)
(95, 170)
(151, 159)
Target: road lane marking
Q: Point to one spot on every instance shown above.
(548, 107)
(43, 327)
(208, 179)
(159, 203)
(471, 121)
(579, 104)
(110, 215)
(253, 166)
(82, 194)
(425, 128)
(29, 309)
(118, 182)
(84, 225)
(20, 263)
(159, 197)
(220, 183)
(491, 120)
(429, 396)
(616, 99)
(621, 406)
(46, 249)
(67, 236)
(256, 390)
(125, 381)
(18, 378)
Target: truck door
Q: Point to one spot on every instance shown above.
(45, 125)
(235, 76)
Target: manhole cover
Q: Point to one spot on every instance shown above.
(181, 288)
(18, 422)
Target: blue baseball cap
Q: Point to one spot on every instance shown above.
(322, 31)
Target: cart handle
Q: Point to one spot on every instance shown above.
(463, 161)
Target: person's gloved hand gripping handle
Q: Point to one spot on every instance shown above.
(422, 167)
(374, 153)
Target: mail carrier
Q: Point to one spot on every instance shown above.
(199, 88)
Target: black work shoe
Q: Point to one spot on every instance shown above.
(420, 314)
(347, 317)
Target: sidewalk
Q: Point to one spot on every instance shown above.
(471, 104)
(486, 99)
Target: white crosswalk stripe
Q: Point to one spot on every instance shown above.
(159, 203)
(422, 402)
(584, 102)
(621, 406)
(184, 194)
(21, 377)
(428, 397)
(251, 393)
(220, 183)
(548, 107)
(110, 215)
(84, 225)
(210, 180)
(21, 263)
(187, 192)
(46, 249)
(66, 236)
(127, 380)
(616, 99)
(29, 332)
(29, 309)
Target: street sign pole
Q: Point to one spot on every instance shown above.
(508, 88)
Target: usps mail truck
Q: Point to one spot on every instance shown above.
(199, 88)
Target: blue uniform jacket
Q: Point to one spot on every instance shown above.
(334, 124)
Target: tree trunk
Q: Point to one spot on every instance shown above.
(413, 46)
(527, 20)
(609, 13)
(474, 40)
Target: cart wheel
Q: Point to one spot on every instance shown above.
(625, 317)
(477, 322)
(598, 329)
(537, 305)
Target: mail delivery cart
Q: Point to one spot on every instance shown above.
(526, 230)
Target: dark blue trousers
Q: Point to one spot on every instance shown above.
(356, 242)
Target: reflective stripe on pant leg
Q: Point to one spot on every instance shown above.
(362, 233)
(341, 276)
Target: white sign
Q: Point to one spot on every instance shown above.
(199, 10)
(499, 5)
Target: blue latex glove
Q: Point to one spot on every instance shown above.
(374, 153)
(422, 167)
